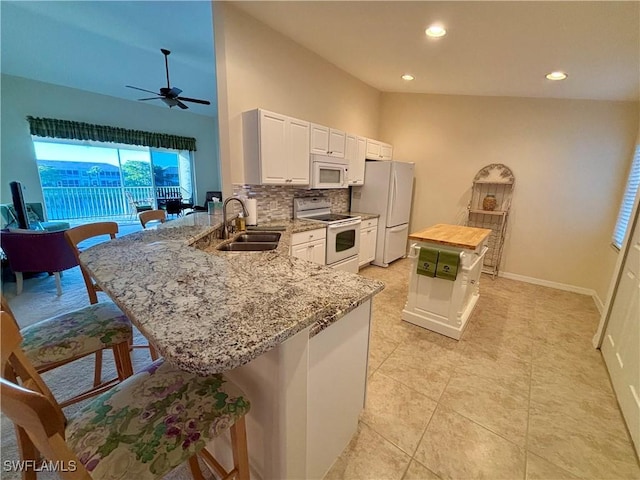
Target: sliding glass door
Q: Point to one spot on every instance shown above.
(94, 179)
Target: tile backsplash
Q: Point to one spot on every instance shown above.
(275, 202)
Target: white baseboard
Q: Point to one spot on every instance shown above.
(560, 286)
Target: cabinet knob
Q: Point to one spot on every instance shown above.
(310, 236)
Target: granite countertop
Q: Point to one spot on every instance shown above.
(365, 216)
(209, 311)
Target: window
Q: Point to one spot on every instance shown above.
(630, 192)
(83, 179)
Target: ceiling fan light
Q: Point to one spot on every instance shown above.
(435, 31)
(408, 77)
(171, 102)
(557, 75)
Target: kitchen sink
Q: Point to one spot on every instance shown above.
(252, 242)
(258, 237)
(246, 246)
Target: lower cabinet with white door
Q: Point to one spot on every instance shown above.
(311, 245)
(368, 239)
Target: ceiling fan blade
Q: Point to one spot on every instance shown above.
(141, 89)
(181, 105)
(194, 100)
(152, 98)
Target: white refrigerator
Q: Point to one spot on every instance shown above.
(387, 191)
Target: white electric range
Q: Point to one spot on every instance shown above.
(343, 231)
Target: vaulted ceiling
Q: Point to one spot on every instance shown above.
(491, 48)
(102, 46)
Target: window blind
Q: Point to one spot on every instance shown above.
(630, 192)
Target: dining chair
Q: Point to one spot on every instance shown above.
(79, 234)
(150, 215)
(143, 428)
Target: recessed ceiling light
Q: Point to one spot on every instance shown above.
(435, 31)
(556, 76)
(408, 77)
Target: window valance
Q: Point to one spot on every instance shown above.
(50, 127)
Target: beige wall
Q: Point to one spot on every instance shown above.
(260, 68)
(569, 157)
(22, 97)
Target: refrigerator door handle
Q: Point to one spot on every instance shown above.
(399, 228)
(395, 189)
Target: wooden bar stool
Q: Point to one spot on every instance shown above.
(143, 428)
(68, 337)
(79, 234)
(146, 217)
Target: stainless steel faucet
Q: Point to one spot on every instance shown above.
(225, 228)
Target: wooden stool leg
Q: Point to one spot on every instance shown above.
(122, 357)
(239, 446)
(97, 370)
(27, 451)
(194, 466)
(153, 352)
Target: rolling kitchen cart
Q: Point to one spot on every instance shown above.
(489, 208)
(444, 303)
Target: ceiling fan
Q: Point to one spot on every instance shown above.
(170, 95)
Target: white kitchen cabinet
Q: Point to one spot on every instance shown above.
(377, 150)
(276, 148)
(356, 154)
(327, 141)
(311, 245)
(368, 239)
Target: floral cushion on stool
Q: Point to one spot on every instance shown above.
(75, 334)
(153, 422)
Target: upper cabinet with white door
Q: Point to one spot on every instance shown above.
(276, 148)
(327, 141)
(377, 150)
(356, 153)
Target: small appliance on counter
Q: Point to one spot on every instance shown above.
(387, 191)
(343, 231)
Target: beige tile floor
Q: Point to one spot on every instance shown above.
(523, 394)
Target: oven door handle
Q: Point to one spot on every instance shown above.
(345, 224)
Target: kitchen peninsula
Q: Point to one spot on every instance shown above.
(292, 334)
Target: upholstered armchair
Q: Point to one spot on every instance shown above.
(37, 251)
